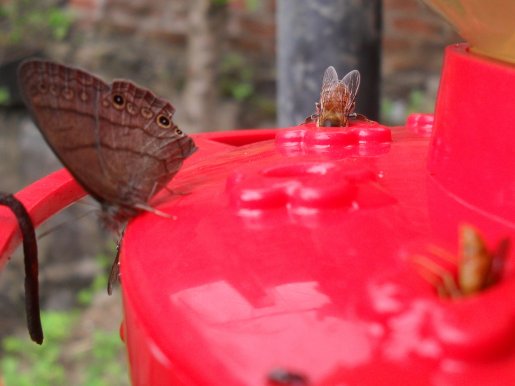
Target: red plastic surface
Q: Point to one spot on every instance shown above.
(42, 199)
(294, 248)
(283, 255)
(472, 152)
(296, 252)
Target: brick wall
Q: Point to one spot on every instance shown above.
(252, 31)
(413, 42)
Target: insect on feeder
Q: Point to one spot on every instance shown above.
(290, 260)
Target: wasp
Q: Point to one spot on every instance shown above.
(477, 267)
(337, 99)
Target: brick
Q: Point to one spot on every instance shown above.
(417, 26)
(83, 4)
(403, 5)
(391, 44)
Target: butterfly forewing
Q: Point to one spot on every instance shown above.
(62, 102)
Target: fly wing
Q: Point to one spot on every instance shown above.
(329, 86)
(351, 82)
(330, 78)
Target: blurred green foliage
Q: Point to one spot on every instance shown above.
(395, 112)
(4, 96)
(237, 81)
(26, 364)
(220, 2)
(85, 296)
(31, 22)
(418, 102)
(103, 367)
(236, 77)
(251, 5)
(100, 361)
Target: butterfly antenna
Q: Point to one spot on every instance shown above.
(48, 231)
(150, 209)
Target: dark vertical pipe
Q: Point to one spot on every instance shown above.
(315, 34)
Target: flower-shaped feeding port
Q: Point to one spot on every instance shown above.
(420, 123)
(361, 138)
(307, 188)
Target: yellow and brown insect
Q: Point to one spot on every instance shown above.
(337, 99)
(477, 267)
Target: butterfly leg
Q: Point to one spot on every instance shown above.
(114, 275)
(177, 192)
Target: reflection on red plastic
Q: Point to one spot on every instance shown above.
(471, 152)
(420, 123)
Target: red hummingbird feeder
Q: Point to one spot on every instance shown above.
(292, 256)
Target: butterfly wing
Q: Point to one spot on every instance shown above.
(62, 103)
(117, 140)
(138, 136)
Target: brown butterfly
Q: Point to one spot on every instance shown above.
(118, 140)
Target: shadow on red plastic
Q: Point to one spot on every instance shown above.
(241, 137)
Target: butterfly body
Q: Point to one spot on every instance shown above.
(118, 140)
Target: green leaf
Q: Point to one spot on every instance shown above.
(5, 96)
(242, 91)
